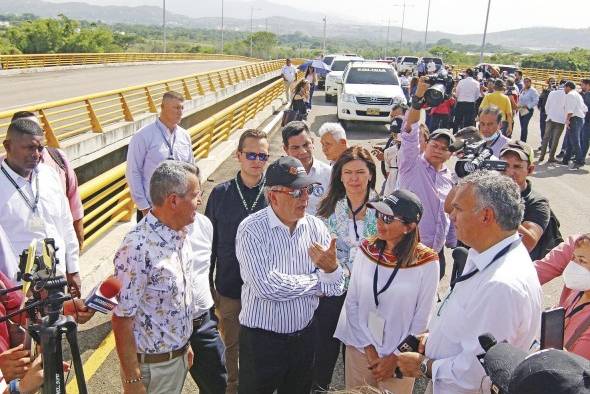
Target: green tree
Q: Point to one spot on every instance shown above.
(262, 43)
(440, 51)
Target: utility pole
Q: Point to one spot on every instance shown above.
(387, 38)
(164, 22)
(485, 32)
(251, 27)
(222, 27)
(426, 31)
(324, 46)
(401, 37)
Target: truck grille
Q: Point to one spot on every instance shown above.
(374, 100)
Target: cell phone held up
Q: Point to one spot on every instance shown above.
(409, 344)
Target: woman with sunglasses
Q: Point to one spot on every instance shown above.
(390, 296)
(346, 215)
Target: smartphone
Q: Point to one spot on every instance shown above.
(552, 326)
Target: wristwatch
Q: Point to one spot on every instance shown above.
(14, 386)
(424, 367)
(417, 102)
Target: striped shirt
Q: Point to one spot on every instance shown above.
(281, 284)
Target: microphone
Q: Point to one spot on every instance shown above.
(459, 260)
(102, 297)
(410, 344)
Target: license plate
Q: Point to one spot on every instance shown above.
(373, 111)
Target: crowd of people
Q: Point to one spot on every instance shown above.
(298, 261)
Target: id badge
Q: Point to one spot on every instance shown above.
(36, 224)
(376, 327)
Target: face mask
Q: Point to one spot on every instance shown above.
(576, 277)
(491, 137)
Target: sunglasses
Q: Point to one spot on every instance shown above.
(253, 155)
(297, 193)
(388, 219)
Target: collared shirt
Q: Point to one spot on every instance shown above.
(498, 143)
(281, 284)
(503, 298)
(200, 236)
(500, 100)
(289, 72)
(147, 149)
(69, 181)
(555, 106)
(321, 172)
(431, 186)
(53, 209)
(468, 90)
(153, 263)
(8, 259)
(529, 98)
(226, 211)
(574, 104)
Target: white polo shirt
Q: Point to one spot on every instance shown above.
(200, 236)
(289, 72)
(555, 106)
(574, 104)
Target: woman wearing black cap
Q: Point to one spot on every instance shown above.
(390, 296)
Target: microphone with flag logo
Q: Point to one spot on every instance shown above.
(102, 298)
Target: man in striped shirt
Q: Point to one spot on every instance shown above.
(287, 261)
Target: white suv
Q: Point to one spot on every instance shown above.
(335, 76)
(407, 63)
(368, 91)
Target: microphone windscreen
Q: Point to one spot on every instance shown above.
(456, 146)
(460, 254)
(110, 287)
(487, 341)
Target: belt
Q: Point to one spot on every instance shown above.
(198, 321)
(161, 357)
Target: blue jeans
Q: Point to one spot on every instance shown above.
(208, 370)
(585, 138)
(311, 90)
(524, 125)
(573, 147)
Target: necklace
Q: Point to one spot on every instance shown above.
(250, 209)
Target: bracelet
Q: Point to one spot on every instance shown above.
(134, 380)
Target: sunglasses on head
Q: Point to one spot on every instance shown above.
(388, 219)
(253, 155)
(297, 193)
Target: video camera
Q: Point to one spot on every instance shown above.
(476, 157)
(441, 88)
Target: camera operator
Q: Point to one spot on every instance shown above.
(498, 291)
(32, 202)
(502, 102)
(427, 175)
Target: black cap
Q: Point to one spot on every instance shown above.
(547, 371)
(288, 171)
(445, 133)
(400, 203)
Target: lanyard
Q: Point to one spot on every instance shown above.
(578, 308)
(170, 146)
(376, 277)
(250, 209)
(354, 213)
(32, 205)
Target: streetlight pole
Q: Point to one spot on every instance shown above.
(164, 22)
(485, 32)
(222, 27)
(251, 27)
(401, 37)
(324, 46)
(426, 31)
(387, 39)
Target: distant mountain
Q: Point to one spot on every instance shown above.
(286, 20)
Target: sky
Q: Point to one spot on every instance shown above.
(450, 16)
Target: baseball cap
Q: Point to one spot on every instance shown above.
(498, 83)
(288, 171)
(547, 371)
(400, 203)
(442, 133)
(522, 149)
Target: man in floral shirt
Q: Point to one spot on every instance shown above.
(153, 321)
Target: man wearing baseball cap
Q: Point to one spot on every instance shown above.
(287, 261)
(539, 228)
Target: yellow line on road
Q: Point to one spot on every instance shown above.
(94, 362)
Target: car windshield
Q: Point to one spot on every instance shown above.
(371, 76)
(435, 60)
(411, 60)
(340, 65)
(328, 60)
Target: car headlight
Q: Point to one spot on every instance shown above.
(349, 98)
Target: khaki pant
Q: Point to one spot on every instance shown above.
(166, 377)
(553, 131)
(228, 311)
(287, 86)
(357, 374)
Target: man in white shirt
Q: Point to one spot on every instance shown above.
(431, 67)
(467, 93)
(289, 74)
(575, 112)
(498, 291)
(298, 143)
(32, 202)
(555, 110)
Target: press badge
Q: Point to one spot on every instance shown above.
(36, 224)
(376, 327)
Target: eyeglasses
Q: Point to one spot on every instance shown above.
(388, 219)
(297, 193)
(253, 155)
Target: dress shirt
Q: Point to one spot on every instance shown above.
(226, 211)
(503, 298)
(281, 284)
(200, 236)
(574, 104)
(431, 186)
(498, 143)
(289, 72)
(153, 264)
(529, 98)
(69, 182)
(147, 149)
(8, 259)
(321, 172)
(467, 90)
(406, 306)
(555, 106)
(53, 208)
(500, 100)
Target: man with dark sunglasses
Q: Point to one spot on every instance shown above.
(229, 203)
(287, 262)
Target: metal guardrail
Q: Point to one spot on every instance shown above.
(106, 198)
(68, 118)
(10, 62)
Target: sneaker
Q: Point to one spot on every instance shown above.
(575, 166)
(551, 160)
(560, 155)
